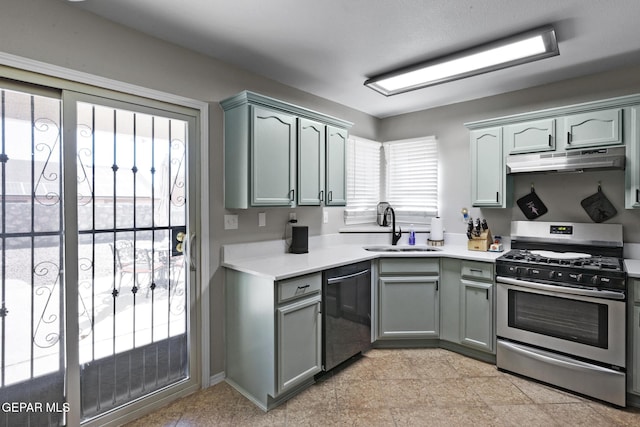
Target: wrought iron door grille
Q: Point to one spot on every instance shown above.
(132, 281)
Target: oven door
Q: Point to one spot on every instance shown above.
(568, 320)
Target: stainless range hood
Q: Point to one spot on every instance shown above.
(567, 161)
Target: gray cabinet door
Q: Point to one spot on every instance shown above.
(487, 168)
(450, 299)
(632, 171)
(593, 129)
(299, 336)
(409, 307)
(539, 135)
(311, 162)
(273, 154)
(476, 315)
(336, 191)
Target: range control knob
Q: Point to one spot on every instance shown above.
(595, 280)
(552, 274)
(579, 278)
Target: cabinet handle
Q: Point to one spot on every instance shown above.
(475, 270)
(321, 196)
(293, 194)
(568, 137)
(549, 140)
(437, 285)
(487, 290)
(303, 287)
(637, 195)
(497, 196)
(330, 196)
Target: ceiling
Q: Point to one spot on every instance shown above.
(330, 47)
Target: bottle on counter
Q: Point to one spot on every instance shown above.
(412, 236)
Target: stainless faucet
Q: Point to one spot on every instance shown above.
(394, 237)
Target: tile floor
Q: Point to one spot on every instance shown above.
(407, 387)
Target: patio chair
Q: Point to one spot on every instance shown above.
(136, 262)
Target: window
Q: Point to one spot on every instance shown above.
(363, 180)
(411, 177)
(403, 173)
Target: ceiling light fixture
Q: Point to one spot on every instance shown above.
(518, 49)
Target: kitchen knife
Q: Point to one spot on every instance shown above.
(477, 230)
(484, 225)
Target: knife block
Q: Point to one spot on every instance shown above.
(481, 242)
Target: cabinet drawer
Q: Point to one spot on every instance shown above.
(477, 270)
(299, 286)
(409, 266)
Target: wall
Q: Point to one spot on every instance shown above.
(53, 32)
(561, 193)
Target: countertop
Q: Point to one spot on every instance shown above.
(269, 259)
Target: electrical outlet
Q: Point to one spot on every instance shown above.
(292, 216)
(325, 216)
(231, 222)
(262, 219)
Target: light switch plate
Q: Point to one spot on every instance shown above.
(262, 219)
(231, 222)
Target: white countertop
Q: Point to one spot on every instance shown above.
(269, 259)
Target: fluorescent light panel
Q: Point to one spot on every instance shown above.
(519, 49)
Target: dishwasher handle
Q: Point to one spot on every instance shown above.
(333, 280)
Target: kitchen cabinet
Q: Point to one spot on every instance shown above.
(529, 137)
(321, 164)
(272, 138)
(633, 334)
(467, 304)
(408, 298)
(593, 129)
(273, 335)
(299, 342)
(279, 154)
(632, 171)
(336, 191)
(311, 162)
(488, 178)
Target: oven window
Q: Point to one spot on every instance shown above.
(564, 318)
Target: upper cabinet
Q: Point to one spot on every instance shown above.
(273, 137)
(592, 129)
(559, 131)
(336, 190)
(279, 154)
(311, 161)
(529, 137)
(487, 168)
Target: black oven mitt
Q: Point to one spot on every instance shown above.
(598, 207)
(531, 205)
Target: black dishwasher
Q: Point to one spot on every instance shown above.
(346, 314)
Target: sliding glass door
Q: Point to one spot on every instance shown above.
(97, 278)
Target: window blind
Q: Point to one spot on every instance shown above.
(411, 178)
(363, 180)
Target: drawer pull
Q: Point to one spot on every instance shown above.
(475, 270)
(303, 287)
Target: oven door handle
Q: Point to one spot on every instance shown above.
(556, 359)
(563, 289)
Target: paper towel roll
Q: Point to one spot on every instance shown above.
(437, 232)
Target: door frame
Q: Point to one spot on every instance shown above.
(23, 69)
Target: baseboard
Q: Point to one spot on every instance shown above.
(217, 378)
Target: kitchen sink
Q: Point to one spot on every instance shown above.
(402, 249)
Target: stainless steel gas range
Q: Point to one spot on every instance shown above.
(561, 294)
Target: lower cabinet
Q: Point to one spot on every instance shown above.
(633, 334)
(299, 342)
(476, 314)
(467, 304)
(408, 298)
(273, 335)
